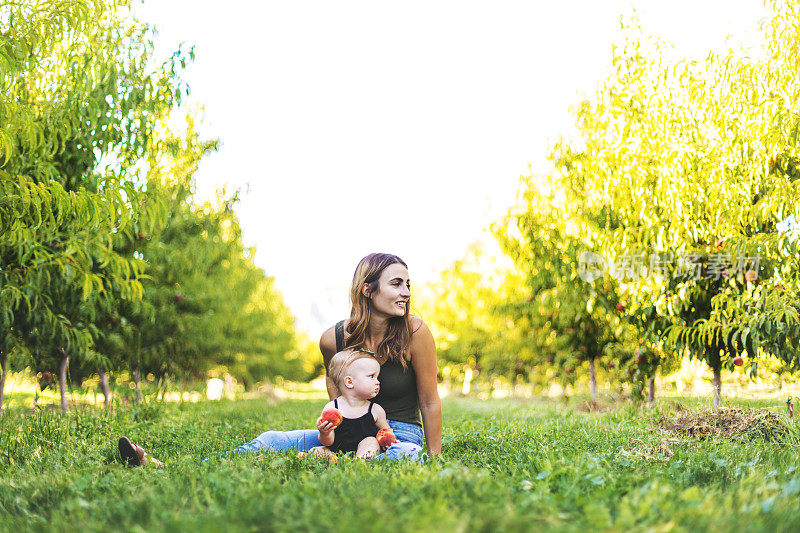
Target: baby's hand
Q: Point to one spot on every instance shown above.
(324, 426)
(329, 419)
(386, 438)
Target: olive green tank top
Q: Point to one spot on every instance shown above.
(398, 395)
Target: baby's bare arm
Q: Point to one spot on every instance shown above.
(325, 428)
(380, 417)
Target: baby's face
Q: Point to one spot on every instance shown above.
(364, 375)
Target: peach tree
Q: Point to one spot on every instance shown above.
(545, 245)
(681, 158)
(79, 101)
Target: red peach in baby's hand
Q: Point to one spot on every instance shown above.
(386, 438)
(332, 415)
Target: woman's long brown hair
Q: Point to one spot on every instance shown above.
(396, 342)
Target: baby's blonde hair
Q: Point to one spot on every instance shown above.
(339, 363)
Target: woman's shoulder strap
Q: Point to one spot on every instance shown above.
(339, 336)
(336, 403)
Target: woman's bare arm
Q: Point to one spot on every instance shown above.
(327, 345)
(423, 359)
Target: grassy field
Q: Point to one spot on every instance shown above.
(508, 465)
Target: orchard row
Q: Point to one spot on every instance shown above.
(107, 262)
(672, 158)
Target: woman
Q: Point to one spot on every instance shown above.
(379, 323)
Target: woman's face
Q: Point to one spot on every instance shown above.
(393, 292)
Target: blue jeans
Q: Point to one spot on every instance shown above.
(408, 445)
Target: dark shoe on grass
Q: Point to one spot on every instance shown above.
(134, 455)
(131, 454)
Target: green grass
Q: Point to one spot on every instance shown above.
(508, 465)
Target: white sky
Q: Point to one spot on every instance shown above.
(395, 127)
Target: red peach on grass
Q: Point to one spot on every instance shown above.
(332, 415)
(750, 275)
(386, 438)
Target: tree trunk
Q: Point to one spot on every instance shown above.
(651, 390)
(62, 379)
(467, 381)
(4, 370)
(717, 386)
(104, 387)
(136, 378)
(593, 379)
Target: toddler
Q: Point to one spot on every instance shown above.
(355, 374)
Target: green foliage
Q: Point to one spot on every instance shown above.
(679, 178)
(691, 164)
(76, 91)
(205, 304)
(465, 309)
(575, 318)
(100, 232)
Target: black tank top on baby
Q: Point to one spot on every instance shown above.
(352, 431)
(398, 395)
